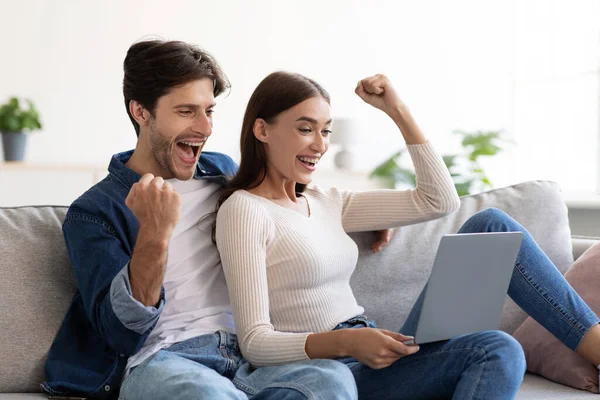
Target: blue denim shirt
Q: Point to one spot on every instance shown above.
(105, 324)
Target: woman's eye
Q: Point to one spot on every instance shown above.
(304, 130)
(326, 132)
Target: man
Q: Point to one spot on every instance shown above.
(152, 311)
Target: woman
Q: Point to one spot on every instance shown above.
(288, 259)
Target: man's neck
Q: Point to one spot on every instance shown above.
(143, 162)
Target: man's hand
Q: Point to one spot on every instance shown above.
(155, 205)
(384, 238)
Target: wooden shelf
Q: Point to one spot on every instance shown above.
(20, 165)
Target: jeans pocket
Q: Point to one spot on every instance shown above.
(360, 321)
(230, 351)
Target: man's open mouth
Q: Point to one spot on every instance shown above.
(188, 150)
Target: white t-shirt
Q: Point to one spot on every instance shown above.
(196, 297)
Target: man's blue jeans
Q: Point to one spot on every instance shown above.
(487, 365)
(211, 367)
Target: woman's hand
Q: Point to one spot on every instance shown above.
(384, 238)
(378, 348)
(378, 91)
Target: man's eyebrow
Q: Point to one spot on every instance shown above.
(191, 105)
(311, 120)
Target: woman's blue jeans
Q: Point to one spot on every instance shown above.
(488, 365)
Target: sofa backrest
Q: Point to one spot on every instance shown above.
(36, 288)
(388, 283)
(37, 284)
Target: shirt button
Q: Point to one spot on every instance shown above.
(107, 388)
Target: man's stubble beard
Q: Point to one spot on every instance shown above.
(161, 149)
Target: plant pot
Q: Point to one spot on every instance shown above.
(13, 144)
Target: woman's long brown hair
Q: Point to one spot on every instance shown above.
(275, 94)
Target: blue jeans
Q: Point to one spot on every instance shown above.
(211, 367)
(487, 365)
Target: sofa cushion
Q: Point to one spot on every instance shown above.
(37, 284)
(36, 289)
(537, 388)
(388, 283)
(533, 388)
(545, 354)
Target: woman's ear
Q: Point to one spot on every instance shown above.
(139, 113)
(260, 130)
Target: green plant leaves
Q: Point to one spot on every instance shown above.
(391, 173)
(480, 143)
(463, 188)
(388, 167)
(464, 168)
(15, 118)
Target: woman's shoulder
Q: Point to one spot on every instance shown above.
(242, 202)
(243, 211)
(326, 194)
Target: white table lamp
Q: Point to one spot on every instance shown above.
(345, 133)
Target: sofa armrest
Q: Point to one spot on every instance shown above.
(581, 244)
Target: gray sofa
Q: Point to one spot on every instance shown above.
(36, 284)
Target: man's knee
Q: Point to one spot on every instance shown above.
(176, 378)
(326, 379)
(312, 379)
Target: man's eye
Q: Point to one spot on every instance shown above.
(210, 112)
(185, 113)
(304, 130)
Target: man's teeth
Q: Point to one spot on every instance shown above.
(309, 160)
(192, 144)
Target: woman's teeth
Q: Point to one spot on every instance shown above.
(308, 160)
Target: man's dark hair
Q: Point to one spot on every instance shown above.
(154, 67)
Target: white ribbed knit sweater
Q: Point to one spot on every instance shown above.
(289, 275)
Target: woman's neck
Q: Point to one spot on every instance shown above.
(276, 188)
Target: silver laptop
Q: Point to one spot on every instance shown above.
(468, 284)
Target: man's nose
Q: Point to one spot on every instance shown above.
(202, 125)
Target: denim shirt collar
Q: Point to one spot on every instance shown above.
(128, 177)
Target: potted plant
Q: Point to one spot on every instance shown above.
(15, 121)
(465, 168)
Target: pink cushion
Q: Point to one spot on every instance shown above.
(546, 355)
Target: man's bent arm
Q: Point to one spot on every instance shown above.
(101, 264)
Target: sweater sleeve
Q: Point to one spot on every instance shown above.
(242, 235)
(434, 197)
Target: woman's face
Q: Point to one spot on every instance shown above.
(297, 139)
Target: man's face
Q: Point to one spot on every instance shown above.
(181, 125)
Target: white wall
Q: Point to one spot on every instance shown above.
(462, 64)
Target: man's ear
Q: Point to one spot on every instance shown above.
(260, 130)
(139, 113)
